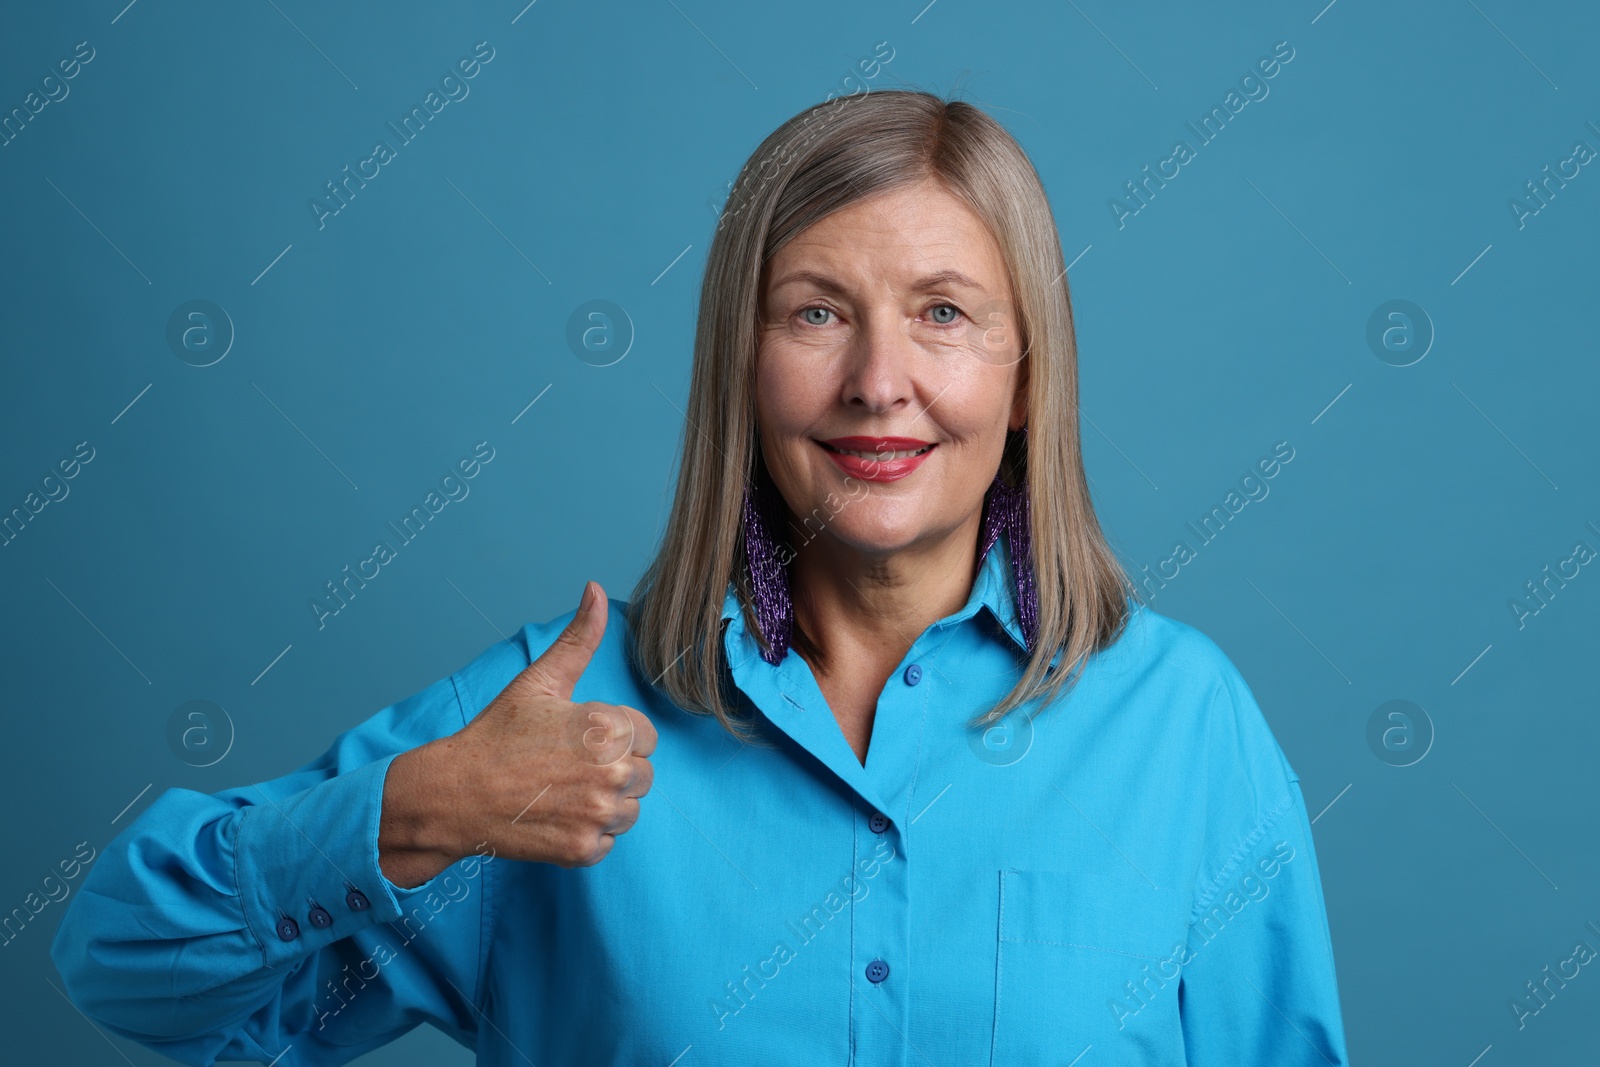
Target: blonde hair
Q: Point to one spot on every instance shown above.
(824, 158)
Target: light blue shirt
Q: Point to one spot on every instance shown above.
(1127, 878)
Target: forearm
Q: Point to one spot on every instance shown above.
(214, 927)
(189, 930)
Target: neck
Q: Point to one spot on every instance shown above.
(849, 602)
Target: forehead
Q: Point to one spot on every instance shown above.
(896, 237)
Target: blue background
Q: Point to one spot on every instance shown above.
(588, 162)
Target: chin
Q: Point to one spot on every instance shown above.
(882, 536)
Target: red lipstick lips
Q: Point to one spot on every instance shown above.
(877, 459)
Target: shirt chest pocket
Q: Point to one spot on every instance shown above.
(1087, 960)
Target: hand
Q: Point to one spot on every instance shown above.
(533, 777)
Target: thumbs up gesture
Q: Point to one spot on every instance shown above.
(533, 777)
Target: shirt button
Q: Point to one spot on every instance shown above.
(879, 822)
(877, 971)
(288, 929)
(320, 918)
(357, 900)
(913, 674)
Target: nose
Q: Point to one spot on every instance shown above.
(879, 366)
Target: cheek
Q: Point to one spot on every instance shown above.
(974, 400)
(775, 415)
(789, 399)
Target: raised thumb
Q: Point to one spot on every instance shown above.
(557, 671)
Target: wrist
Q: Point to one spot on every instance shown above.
(414, 826)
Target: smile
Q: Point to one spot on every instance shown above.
(878, 459)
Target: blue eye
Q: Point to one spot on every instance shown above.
(818, 310)
(945, 307)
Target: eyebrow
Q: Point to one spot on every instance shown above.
(937, 280)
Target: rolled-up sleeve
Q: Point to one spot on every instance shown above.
(242, 924)
(1258, 981)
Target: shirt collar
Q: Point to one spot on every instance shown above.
(788, 695)
(992, 590)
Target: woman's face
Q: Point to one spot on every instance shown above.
(887, 330)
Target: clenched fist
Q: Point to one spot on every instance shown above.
(534, 776)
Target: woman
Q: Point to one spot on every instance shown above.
(930, 784)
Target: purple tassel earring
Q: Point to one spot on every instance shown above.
(1007, 510)
(769, 577)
